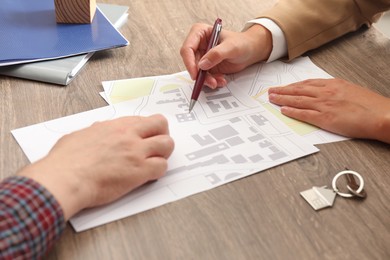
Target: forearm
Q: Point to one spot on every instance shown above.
(308, 24)
(31, 220)
(382, 131)
(64, 185)
(261, 39)
(277, 44)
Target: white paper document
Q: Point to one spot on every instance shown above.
(227, 136)
(254, 81)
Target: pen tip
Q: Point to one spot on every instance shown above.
(192, 103)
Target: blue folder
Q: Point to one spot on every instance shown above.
(29, 32)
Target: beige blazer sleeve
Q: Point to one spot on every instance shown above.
(308, 24)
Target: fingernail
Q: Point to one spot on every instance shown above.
(211, 83)
(223, 82)
(271, 96)
(285, 109)
(204, 64)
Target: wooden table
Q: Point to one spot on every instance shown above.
(259, 217)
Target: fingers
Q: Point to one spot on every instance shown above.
(304, 88)
(212, 80)
(156, 168)
(215, 80)
(228, 51)
(306, 94)
(158, 146)
(213, 57)
(294, 101)
(193, 53)
(195, 42)
(189, 60)
(155, 134)
(149, 126)
(309, 116)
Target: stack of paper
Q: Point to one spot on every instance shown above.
(230, 133)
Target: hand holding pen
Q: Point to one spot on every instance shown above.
(199, 82)
(234, 52)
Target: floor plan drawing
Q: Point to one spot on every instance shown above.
(253, 81)
(257, 79)
(227, 136)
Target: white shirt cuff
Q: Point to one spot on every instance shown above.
(279, 48)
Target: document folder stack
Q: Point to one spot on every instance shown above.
(51, 52)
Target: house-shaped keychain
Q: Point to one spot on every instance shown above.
(319, 197)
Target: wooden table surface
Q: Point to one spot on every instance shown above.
(259, 217)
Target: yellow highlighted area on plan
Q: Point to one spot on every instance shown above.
(298, 127)
(123, 90)
(169, 87)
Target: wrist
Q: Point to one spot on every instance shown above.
(66, 187)
(261, 41)
(383, 130)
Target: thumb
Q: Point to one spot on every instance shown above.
(212, 58)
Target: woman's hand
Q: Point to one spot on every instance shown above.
(336, 105)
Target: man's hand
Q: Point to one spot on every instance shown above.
(103, 162)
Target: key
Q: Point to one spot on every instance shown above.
(352, 186)
(322, 197)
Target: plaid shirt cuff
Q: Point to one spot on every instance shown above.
(31, 220)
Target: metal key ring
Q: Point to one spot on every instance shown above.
(347, 195)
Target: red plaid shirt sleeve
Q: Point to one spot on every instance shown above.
(31, 220)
